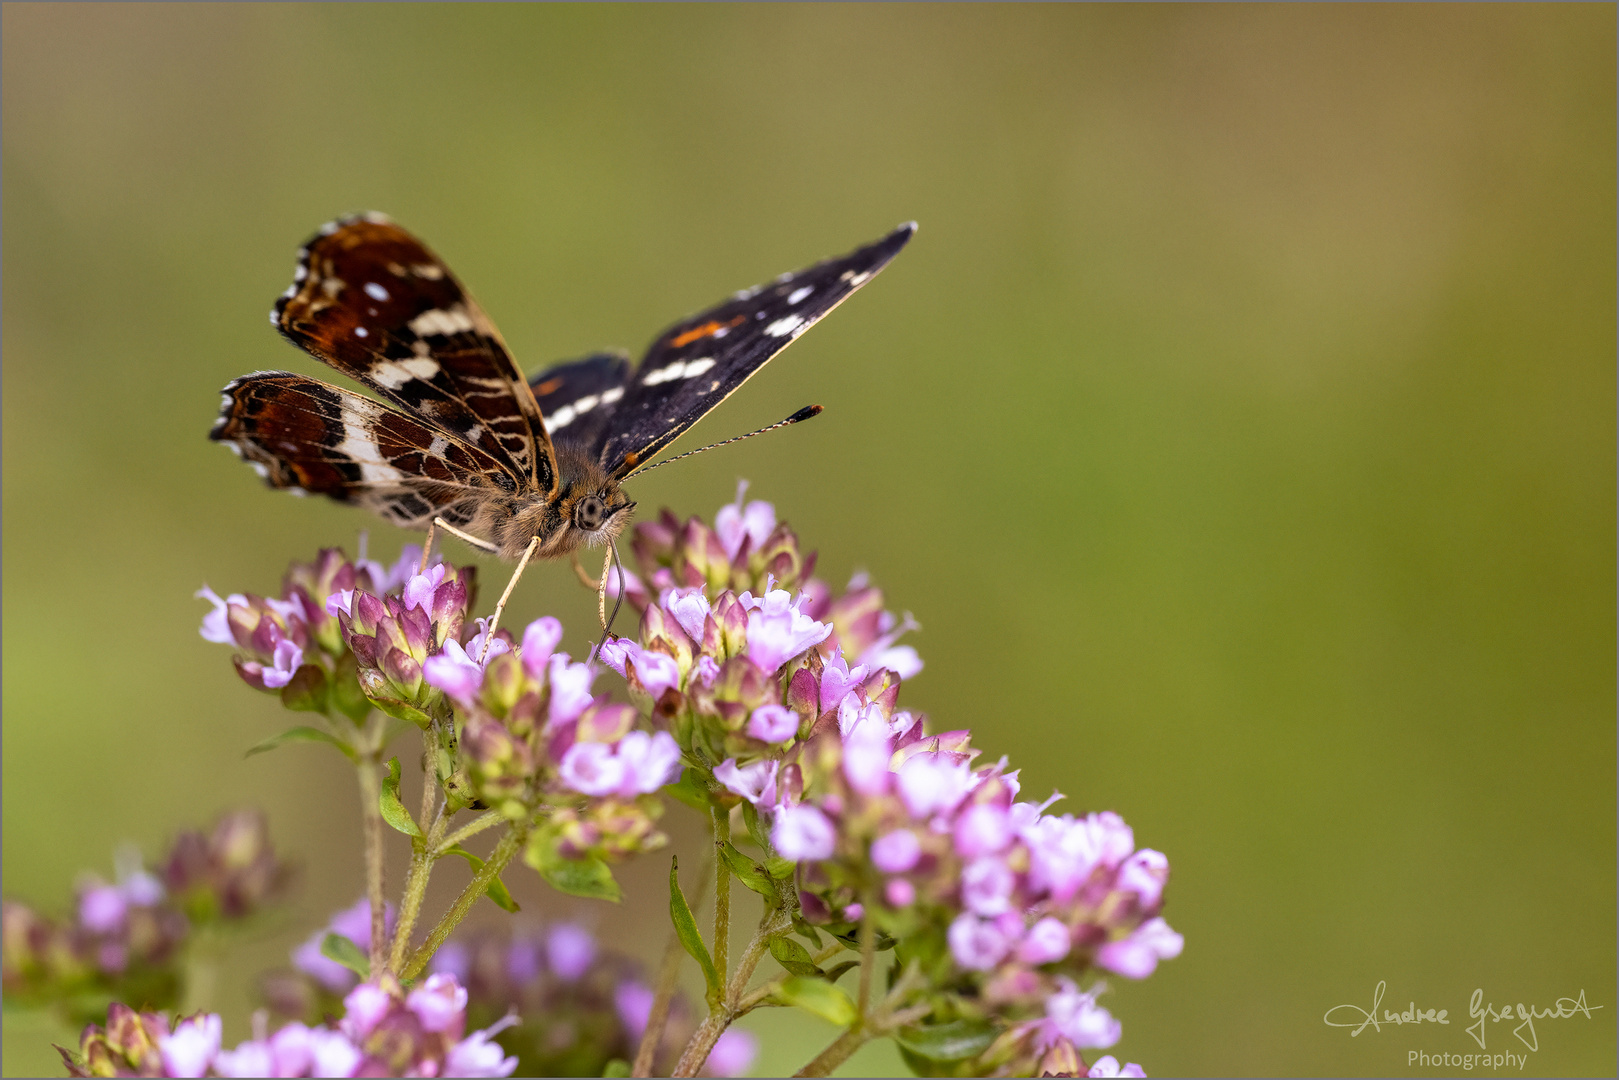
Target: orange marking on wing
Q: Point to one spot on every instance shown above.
(705, 330)
(549, 386)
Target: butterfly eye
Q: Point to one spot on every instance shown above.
(589, 513)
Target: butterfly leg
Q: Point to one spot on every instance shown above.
(494, 622)
(481, 545)
(585, 579)
(427, 548)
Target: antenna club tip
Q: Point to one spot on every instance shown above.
(804, 414)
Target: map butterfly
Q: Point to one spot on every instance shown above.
(519, 466)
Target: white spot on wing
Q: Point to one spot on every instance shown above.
(396, 373)
(560, 419)
(664, 374)
(438, 446)
(376, 292)
(430, 271)
(360, 331)
(586, 403)
(441, 321)
(261, 468)
(300, 273)
(859, 279)
(784, 326)
(610, 396)
(362, 449)
(696, 367)
(798, 295)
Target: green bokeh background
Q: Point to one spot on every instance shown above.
(1240, 427)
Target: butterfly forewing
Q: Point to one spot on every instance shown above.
(373, 302)
(699, 362)
(304, 435)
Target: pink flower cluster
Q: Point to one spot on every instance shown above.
(385, 1031)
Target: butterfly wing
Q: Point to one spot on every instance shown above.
(305, 435)
(699, 362)
(577, 398)
(373, 302)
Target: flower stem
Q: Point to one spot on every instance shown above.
(658, 1019)
(509, 845)
(469, 830)
(421, 868)
(840, 1050)
(722, 892)
(868, 951)
(702, 1041)
(371, 816)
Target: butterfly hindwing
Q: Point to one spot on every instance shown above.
(305, 435)
(699, 362)
(578, 399)
(372, 301)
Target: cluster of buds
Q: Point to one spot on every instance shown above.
(583, 1006)
(126, 938)
(1001, 905)
(533, 733)
(385, 1031)
(293, 644)
(394, 635)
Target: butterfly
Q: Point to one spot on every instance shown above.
(519, 467)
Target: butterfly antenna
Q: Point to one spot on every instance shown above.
(801, 415)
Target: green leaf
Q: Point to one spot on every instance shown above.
(818, 996)
(748, 872)
(957, 1040)
(403, 711)
(617, 1067)
(304, 734)
(346, 693)
(756, 827)
(779, 868)
(496, 890)
(588, 877)
(690, 937)
(393, 811)
(337, 947)
(793, 956)
(833, 974)
(690, 790)
(806, 931)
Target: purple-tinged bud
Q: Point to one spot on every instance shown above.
(654, 671)
(773, 724)
(986, 886)
(978, 944)
(403, 671)
(503, 682)
(540, 640)
(605, 723)
(191, 1049)
(1107, 1067)
(570, 689)
(896, 852)
(1076, 1016)
(1144, 873)
(570, 950)
(451, 671)
(899, 893)
(755, 783)
(804, 694)
(802, 832)
(731, 617)
(1046, 942)
(440, 1003)
(778, 631)
(837, 679)
(1061, 1059)
(982, 830)
(1137, 956)
(689, 609)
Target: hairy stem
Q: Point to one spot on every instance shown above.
(469, 830)
(371, 816)
(702, 1041)
(658, 1020)
(509, 845)
(722, 892)
(840, 1050)
(421, 868)
(868, 952)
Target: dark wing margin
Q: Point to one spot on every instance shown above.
(577, 398)
(304, 435)
(372, 301)
(700, 361)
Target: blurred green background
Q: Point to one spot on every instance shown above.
(1240, 427)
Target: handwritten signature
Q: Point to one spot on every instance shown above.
(1565, 1007)
(1411, 1015)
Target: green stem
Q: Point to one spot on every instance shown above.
(509, 845)
(410, 906)
(868, 951)
(371, 816)
(722, 892)
(702, 1041)
(840, 1050)
(467, 831)
(658, 1020)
